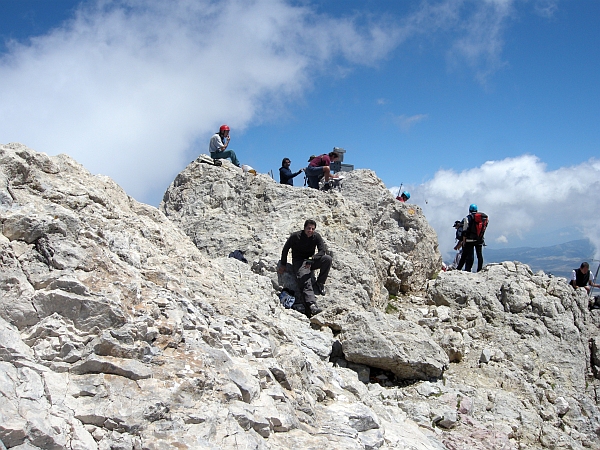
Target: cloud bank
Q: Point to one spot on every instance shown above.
(127, 87)
(132, 88)
(521, 197)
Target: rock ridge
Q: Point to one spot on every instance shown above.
(127, 326)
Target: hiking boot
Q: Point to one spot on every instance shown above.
(314, 309)
(321, 289)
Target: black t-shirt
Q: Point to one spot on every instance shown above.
(302, 246)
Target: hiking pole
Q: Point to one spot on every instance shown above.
(399, 190)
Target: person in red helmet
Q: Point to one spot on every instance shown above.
(218, 146)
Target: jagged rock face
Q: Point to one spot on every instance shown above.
(525, 343)
(376, 241)
(116, 331)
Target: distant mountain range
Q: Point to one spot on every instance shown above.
(558, 260)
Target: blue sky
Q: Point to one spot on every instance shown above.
(494, 102)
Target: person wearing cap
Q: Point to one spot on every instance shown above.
(470, 244)
(582, 277)
(218, 146)
(286, 176)
(319, 166)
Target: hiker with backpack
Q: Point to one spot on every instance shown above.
(286, 176)
(582, 277)
(474, 226)
(304, 261)
(318, 167)
(218, 146)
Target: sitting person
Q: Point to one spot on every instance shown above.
(582, 277)
(304, 261)
(218, 146)
(286, 176)
(318, 167)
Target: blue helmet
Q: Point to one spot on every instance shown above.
(473, 208)
(406, 194)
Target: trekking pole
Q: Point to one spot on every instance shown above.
(399, 190)
(595, 276)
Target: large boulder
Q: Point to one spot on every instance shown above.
(380, 246)
(399, 346)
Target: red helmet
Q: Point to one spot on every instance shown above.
(224, 128)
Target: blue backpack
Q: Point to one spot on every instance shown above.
(287, 299)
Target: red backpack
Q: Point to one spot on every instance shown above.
(478, 225)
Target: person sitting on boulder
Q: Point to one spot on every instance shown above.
(318, 167)
(218, 146)
(582, 277)
(304, 261)
(286, 176)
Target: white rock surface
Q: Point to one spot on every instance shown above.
(117, 332)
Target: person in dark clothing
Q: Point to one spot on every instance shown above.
(304, 261)
(286, 176)
(470, 243)
(582, 277)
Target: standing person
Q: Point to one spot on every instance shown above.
(218, 146)
(286, 176)
(474, 226)
(458, 226)
(320, 166)
(304, 261)
(582, 277)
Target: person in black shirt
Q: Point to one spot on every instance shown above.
(582, 277)
(304, 261)
(286, 176)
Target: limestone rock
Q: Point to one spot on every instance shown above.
(376, 240)
(120, 330)
(398, 346)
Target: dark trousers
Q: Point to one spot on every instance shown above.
(304, 275)
(467, 259)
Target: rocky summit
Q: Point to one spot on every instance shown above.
(124, 326)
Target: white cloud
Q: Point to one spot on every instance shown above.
(130, 87)
(405, 123)
(482, 40)
(127, 87)
(521, 197)
(546, 8)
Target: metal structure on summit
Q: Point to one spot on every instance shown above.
(339, 166)
(595, 276)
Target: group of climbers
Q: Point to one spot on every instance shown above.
(302, 243)
(319, 167)
(470, 231)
